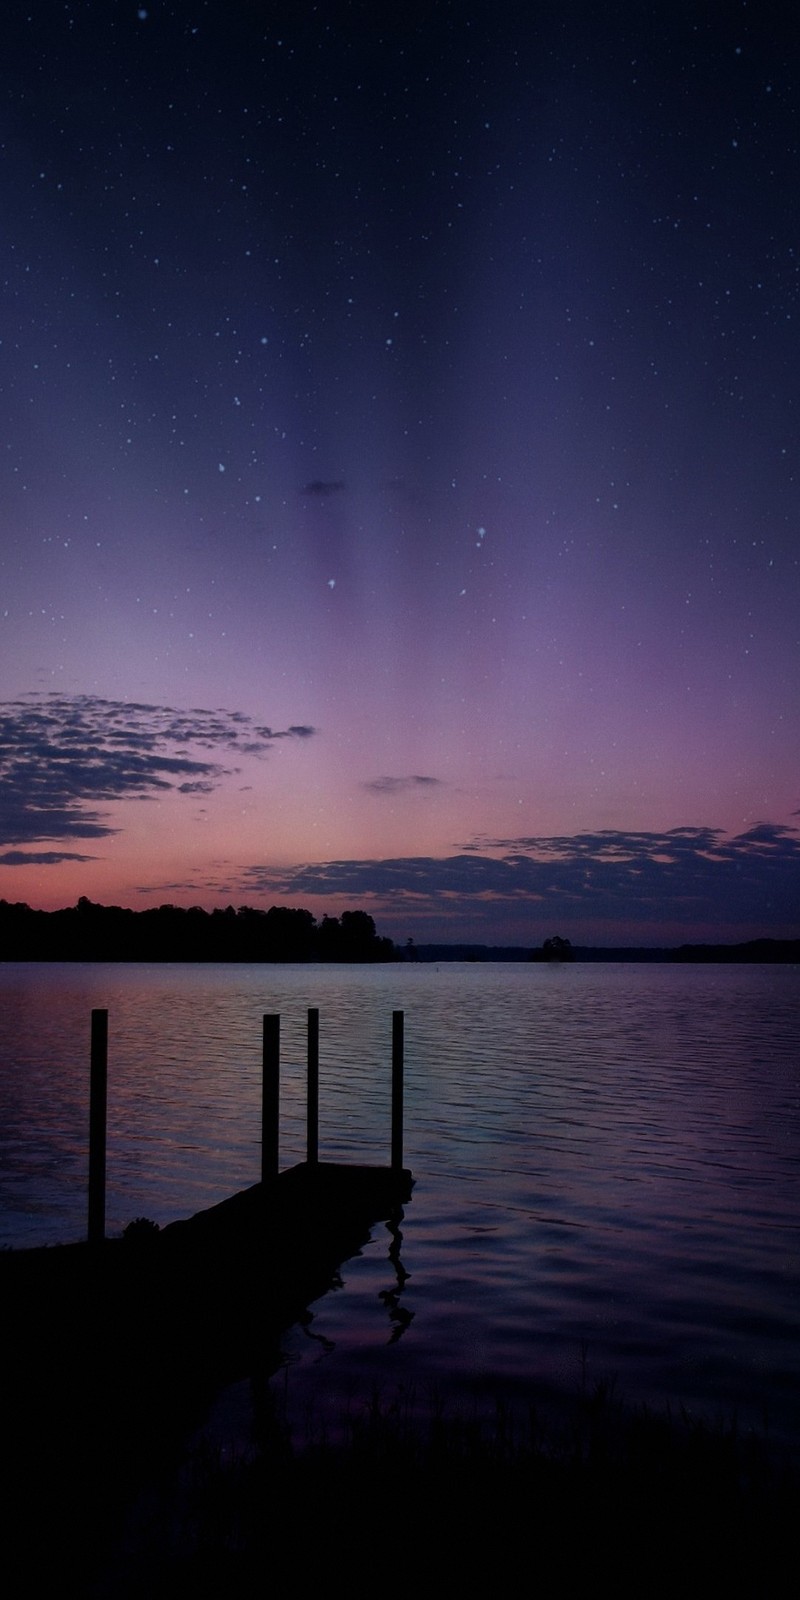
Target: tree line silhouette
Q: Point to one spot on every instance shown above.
(92, 932)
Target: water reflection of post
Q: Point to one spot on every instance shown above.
(399, 1316)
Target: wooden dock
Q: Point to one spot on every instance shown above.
(201, 1302)
(208, 1294)
(113, 1348)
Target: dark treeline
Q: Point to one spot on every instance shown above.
(90, 932)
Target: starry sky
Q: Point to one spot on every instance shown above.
(399, 463)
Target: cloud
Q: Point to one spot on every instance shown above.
(64, 758)
(400, 785)
(40, 858)
(323, 486)
(688, 877)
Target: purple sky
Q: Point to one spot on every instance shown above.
(398, 487)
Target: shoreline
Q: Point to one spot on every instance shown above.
(115, 1460)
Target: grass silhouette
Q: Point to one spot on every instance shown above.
(412, 1490)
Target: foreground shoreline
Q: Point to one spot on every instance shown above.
(110, 1453)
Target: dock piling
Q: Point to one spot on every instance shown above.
(270, 1106)
(270, 1097)
(312, 1089)
(98, 1101)
(397, 1091)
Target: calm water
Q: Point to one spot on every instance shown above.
(607, 1162)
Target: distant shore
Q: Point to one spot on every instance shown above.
(754, 950)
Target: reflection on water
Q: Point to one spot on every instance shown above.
(399, 1315)
(606, 1158)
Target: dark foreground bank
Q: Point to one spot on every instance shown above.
(418, 1499)
(112, 1353)
(113, 1356)
(113, 1481)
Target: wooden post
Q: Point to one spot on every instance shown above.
(98, 1099)
(397, 1091)
(312, 1089)
(270, 1097)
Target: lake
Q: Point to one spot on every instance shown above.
(606, 1162)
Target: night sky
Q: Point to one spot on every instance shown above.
(399, 463)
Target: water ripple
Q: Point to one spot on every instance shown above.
(606, 1157)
